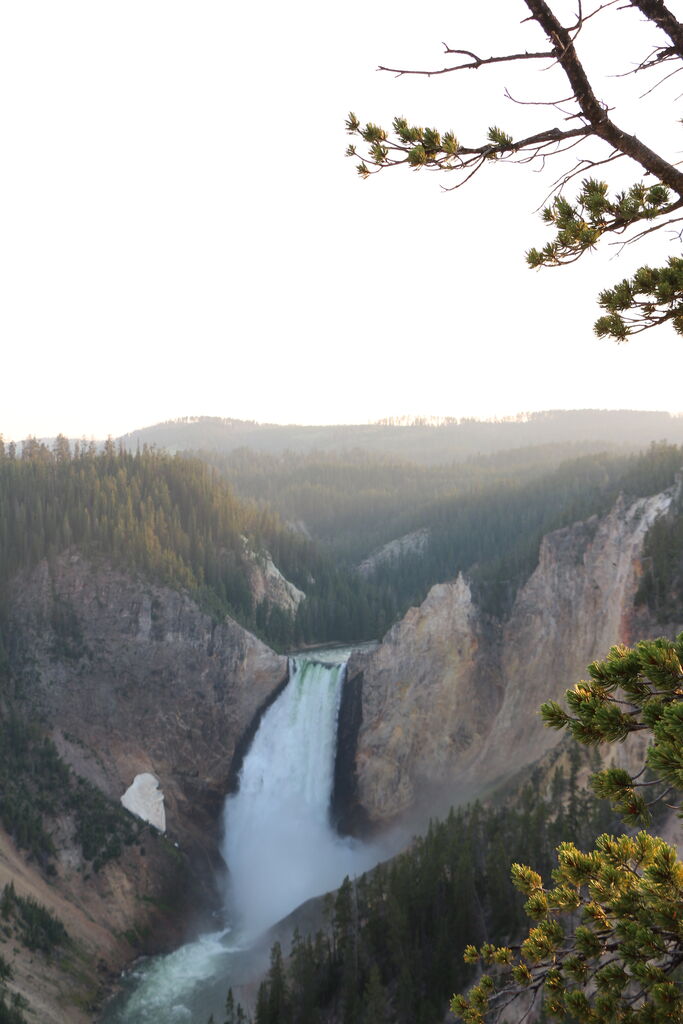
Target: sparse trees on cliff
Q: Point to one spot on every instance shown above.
(588, 136)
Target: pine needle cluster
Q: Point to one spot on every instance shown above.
(580, 123)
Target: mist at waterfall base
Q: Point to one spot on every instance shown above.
(280, 850)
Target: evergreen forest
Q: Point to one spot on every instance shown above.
(485, 517)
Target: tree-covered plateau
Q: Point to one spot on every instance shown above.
(573, 119)
(424, 441)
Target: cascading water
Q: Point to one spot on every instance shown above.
(279, 847)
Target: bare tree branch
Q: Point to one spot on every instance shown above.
(542, 103)
(476, 62)
(594, 111)
(658, 13)
(581, 167)
(579, 223)
(583, 18)
(660, 82)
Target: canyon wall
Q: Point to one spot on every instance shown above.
(129, 678)
(134, 678)
(449, 700)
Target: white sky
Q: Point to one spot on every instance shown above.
(180, 232)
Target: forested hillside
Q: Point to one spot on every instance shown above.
(486, 517)
(188, 525)
(495, 533)
(172, 519)
(355, 501)
(178, 522)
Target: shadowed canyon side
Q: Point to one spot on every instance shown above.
(132, 678)
(450, 698)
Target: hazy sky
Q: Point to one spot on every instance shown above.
(181, 234)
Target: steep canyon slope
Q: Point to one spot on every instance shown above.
(449, 700)
(128, 677)
(135, 678)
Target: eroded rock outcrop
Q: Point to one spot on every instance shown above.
(267, 583)
(424, 703)
(451, 700)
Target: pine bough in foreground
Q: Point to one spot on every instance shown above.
(608, 935)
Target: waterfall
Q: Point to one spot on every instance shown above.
(279, 846)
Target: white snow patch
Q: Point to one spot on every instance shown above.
(145, 799)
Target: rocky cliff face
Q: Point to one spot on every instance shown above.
(135, 904)
(131, 678)
(450, 700)
(135, 678)
(267, 583)
(421, 707)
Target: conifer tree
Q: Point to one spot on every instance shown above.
(374, 1001)
(607, 938)
(577, 118)
(230, 1008)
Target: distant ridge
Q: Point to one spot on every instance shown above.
(420, 440)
